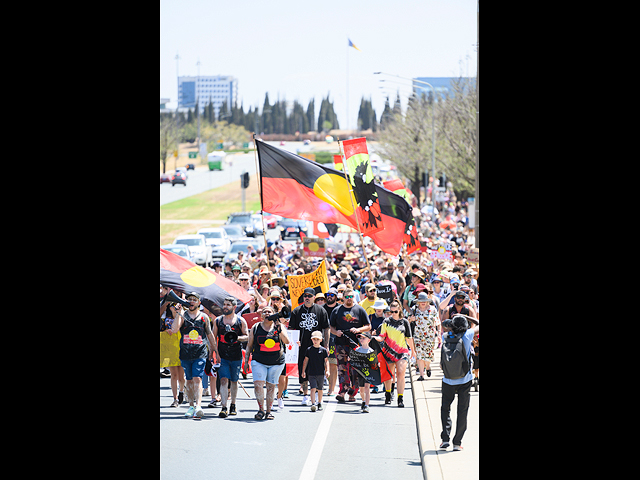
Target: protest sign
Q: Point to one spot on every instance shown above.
(474, 255)
(317, 280)
(385, 291)
(313, 247)
(366, 364)
(291, 353)
(251, 319)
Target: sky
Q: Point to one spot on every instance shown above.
(298, 50)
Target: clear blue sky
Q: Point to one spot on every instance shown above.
(298, 49)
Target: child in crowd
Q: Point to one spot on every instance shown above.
(317, 361)
(365, 393)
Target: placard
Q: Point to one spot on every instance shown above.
(366, 364)
(474, 255)
(317, 280)
(251, 319)
(313, 247)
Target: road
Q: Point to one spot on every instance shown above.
(201, 179)
(340, 441)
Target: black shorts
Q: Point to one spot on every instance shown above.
(316, 381)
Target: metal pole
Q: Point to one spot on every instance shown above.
(477, 197)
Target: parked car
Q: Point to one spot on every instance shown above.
(240, 246)
(271, 220)
(292, 228)
(178, 177)
(182, 250)
(234, 232)
(242, 219)
(198, 246)
(165, 178)
(218, 240)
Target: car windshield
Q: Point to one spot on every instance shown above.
(189, 241)
(236, 247)
(233, 230)
(177, 249)
(211, 234)
(240, 219)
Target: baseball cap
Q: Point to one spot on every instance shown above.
(317, 334)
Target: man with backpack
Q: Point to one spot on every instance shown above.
(456, 366)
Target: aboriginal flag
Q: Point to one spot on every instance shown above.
(182, 275)
(361, 178)
(294, 187)
(398, 221)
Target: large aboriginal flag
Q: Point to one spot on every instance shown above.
(361, 178)
(294, 187)
(182, 275)
(399, 226)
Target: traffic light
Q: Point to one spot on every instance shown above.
(244, 180)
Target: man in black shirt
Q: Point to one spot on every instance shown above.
(308, 318)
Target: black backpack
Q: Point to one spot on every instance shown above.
(454, 359)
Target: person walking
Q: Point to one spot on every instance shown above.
(396, 335)
(460, 386)
(426, 333)
(229, 349)
(194, 326)
(266, 344)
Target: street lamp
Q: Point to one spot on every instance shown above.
(433, 136)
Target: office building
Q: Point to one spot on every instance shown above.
(204, 88)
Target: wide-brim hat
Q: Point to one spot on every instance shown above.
(380, 304)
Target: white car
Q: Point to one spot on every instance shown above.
(218, 240)
(198, 247)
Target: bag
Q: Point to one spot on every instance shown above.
(454, 359)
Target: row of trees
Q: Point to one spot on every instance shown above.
(405, 138)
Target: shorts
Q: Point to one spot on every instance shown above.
(230, 369)
(193, 368)
(316, 381)
(261, 372)
(333, 361)
(361, 380)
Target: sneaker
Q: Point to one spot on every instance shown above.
(428, 373)
(457, 448)
(444, 445)
(199, 413)
(314, 407)
(190, 412)
(306, 401)
(180, 397)
(175, 403)
(387, 398)
(362, 405)
(340, 398)
(285, 394)
(232, 409)
(320, 406)
(280, 403)
(213, 403)
(365, 409)
(400, 401)
(223, 413)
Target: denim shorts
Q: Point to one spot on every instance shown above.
(193, 368)
(230, 369)
(261, 372)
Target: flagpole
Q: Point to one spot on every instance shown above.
(347, 124)
(346, 172)
(258, 177)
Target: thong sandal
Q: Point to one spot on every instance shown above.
(259, 415)
(269, 416)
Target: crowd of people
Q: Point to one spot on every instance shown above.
(403, 326)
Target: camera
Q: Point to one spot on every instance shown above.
(285, 312)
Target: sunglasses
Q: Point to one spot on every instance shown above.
(348, 296)
(307, 295)
(394, 311)
(329, 294)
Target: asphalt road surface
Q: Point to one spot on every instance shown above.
(338, 442)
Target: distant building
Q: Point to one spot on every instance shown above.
(442, 85)
(203, 88)
(163, 103)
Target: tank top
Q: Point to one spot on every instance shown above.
(229, 351)
(267, 348)
(193, 332)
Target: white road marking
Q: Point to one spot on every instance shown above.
(315, 452)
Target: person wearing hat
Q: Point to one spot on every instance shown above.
(194, 326)
(245, 282)
(316, 364)
(377, 317)
(410, 294)
(427, 329)
(308, 318)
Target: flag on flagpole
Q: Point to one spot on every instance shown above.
(295, 187)
(352, 45)
(358, 167)
(399, 226)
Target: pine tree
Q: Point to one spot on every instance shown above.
(266, 115)
(385, 118)
(311, 115)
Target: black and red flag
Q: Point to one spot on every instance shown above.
(398, 222)
(356, 157)
(182, 275)
(295, 187)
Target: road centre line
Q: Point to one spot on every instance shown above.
(315, 452)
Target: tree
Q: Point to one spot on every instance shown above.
(367, 116)
(311, 115)
(168, 138)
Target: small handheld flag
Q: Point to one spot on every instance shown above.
(352, 45)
